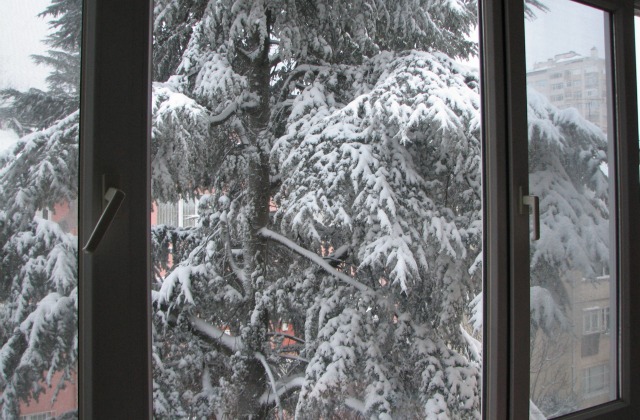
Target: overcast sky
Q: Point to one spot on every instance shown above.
(567, 26)
(21, 33)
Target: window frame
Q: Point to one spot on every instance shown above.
(114, 284)
(506, 246)
(115, 333)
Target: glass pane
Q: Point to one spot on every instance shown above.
(333, 265)
(573, 285)
(39, 118)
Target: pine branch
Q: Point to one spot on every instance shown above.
(239, 273)
(284, 387)
(272, 380)
(233, 344)
(289, 336)
(313, 257)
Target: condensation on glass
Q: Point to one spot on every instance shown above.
(39, 136)
(331, 266)
(573, 335)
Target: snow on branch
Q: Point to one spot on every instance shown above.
(272, 380)
(289, 336)
(224, 115)
(239, 272)
(232, 343)
(290, 384)
(266, 233)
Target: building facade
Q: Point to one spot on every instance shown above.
(571, 80)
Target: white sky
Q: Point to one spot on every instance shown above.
(21, 33)
(567, 26)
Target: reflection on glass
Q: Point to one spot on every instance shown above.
(573, 287)
(334, 266)
(39, 120)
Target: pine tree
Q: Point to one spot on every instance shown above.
(39, 258)
(343, 179)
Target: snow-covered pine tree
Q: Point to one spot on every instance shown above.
(38, 258)
(566, 161)
(339, 146)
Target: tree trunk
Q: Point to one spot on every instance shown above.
(257, 69)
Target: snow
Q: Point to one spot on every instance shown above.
(232, 343)
(313, 257)
(8, 138)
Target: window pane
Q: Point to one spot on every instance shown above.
(334, 266)
(573, 285)
(39, 126)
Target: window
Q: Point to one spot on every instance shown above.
(592, 321)
(182, 213)
(590, 345)
(114, 290)
(553, 275)
(596, 379)
(591, 80)
(39, 416)
(558, 86)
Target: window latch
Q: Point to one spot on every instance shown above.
(533, 202)
(114, 198)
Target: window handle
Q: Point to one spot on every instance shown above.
(533, 202)
(114, 198)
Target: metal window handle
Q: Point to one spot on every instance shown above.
(114, 198)
(533, 202)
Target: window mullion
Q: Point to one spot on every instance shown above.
(115, 373)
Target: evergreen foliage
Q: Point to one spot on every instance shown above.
(38, 258)
(341, 166)
(335, 149)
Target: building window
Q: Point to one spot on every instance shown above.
(606, 320)
(38, 416)
(591, 80)
(183, 213)
(596, 379)
(595, 320)
(557, 86)
(592, 321)
(590, 345)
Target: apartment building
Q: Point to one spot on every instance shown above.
(571, 80)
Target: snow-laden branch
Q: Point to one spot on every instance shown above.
(287, 385)
(224, 115)
(356, 405)
(239, 273)
(234, 344)
(291, 357)
(272, 380)
(313, 257)
(475, 346)
(289, 336)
